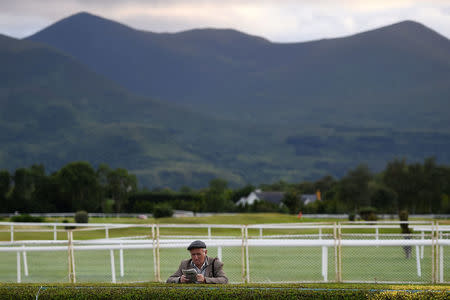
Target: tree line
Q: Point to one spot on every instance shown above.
(414, 187)
(76, 186)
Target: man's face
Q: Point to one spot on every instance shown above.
(198, 256)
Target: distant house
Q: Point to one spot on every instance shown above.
(273, 197)
(308, 198)
(258, 195)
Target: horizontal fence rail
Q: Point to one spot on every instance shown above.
(186, 213)
(307, 252)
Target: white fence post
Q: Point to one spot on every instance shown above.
(19, 279)
(335, 252)
(155, 269)
(243, 254)
(441, 261)
(158, 261)
(55, 235)
(419, 270)
(71, 258)
(121, 261)
(25, 261)
(12, 233)
(247, 255)
(106, 232)
(340, 252)
(113, 267)
(325, 263)
(441, 264)
(423, 237)
(219, 253)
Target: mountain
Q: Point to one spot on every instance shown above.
(180, 109)
(54, 110)
(378, 78)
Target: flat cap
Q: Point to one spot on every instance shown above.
(196, 244)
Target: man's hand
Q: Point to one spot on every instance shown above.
(183, 279)
(201, 278)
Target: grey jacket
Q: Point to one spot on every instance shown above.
(218, 276)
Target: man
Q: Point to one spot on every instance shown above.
(209, 270)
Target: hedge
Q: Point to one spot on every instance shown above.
(169, 291)
(27, 218)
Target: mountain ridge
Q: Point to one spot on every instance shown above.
(256, 79)
(55, 110)
(250, 112)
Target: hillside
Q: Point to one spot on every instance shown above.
(229, 105)
(375, 78)
(54, 110)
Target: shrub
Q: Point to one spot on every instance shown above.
(351, 217)
(252, 291)
(403, 216)
(162, 210)
(368, 213)
(27, 218)
(143, 206)
(68, 227)
(81, 217)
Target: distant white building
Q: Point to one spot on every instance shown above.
(258, 195)
(272, 197)
(308, 198)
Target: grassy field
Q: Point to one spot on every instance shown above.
(216, 219)
(267, 264)
(246, 219)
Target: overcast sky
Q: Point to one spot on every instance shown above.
(276, 20)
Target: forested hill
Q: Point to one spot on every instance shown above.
(54, 110)
(398, 75)
(229, 105)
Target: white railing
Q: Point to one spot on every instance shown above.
(334, 239)
(186, 213)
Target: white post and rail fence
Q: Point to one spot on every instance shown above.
(332, 240)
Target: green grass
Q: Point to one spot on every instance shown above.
(238, 218)
(267, 264)
(245, 219)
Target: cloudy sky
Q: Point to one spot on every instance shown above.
(276, 20)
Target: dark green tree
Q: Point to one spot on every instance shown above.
(354, 188)
(278, 186)
(433, 179)
(5, 185)
(47, 196)
(292, 201)
(102, 175)
(419, 187)
(80, 187)
(395, 176)
(22, 191)
(306, 187)
(384, 199)
(120, 186)
(217, 197)
(416, 189)
(325, 185)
